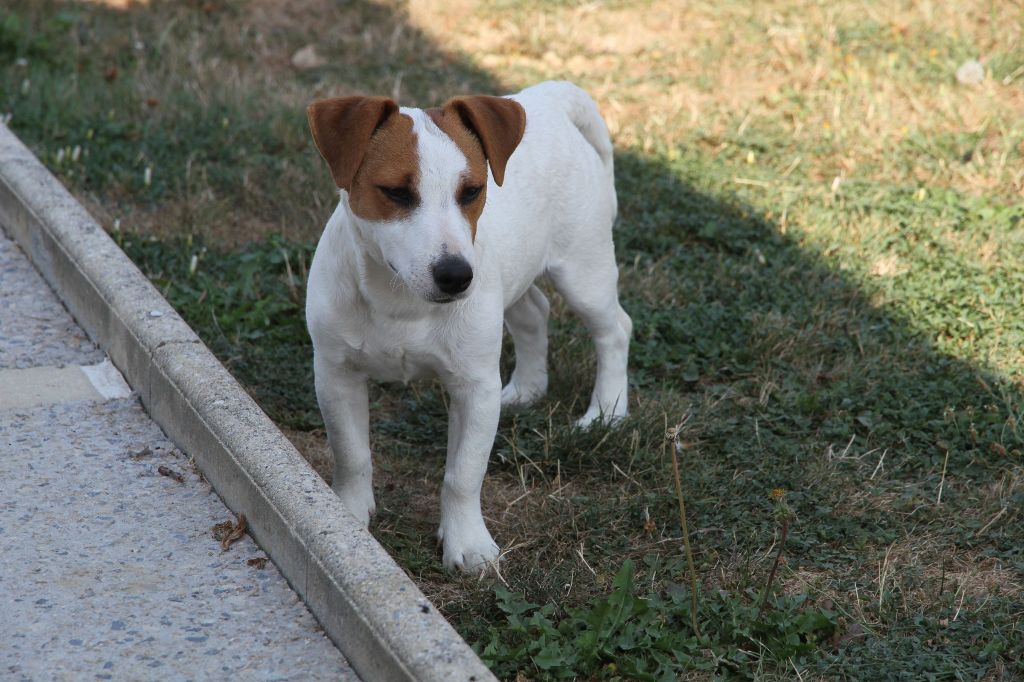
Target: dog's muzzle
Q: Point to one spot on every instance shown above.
(452, 275)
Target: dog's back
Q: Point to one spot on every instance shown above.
(559, 193)
(583, 113)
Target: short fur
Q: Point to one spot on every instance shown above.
(377, 307)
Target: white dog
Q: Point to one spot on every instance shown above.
(427, 254)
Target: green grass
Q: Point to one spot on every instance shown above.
(789, 376)
(247, 305)
(857, 344)
(649, 637)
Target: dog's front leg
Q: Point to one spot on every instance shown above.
(472, 423)
(345, 407)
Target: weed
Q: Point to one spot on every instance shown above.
(673, 437)
(785, 517)
(650, 637)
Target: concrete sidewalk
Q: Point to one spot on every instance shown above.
(108, 564)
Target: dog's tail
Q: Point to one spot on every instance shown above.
(583, 113)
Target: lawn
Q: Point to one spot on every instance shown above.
(821, 244)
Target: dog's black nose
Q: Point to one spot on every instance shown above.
(452, 274)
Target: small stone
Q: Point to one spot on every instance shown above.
(970, 72)
(307, 58)
(155, 313)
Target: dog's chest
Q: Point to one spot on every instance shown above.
(391, 350)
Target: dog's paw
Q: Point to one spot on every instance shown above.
(514, 395)
(358, 499)
(596, 416)
(469, 548)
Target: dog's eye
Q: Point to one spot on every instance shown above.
(469, 194)
(402, 196)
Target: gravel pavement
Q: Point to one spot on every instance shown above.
(109, 564)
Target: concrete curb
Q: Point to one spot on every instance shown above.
(368, 606)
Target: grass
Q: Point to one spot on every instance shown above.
(820, 245)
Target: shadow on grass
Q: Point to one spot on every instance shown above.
(779, 366)
(189, 117)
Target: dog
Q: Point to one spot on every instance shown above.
(446, 219)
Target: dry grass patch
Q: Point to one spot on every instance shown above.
(661, 70)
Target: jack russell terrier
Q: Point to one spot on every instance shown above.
(427, 254)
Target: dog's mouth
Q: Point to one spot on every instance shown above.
(445, 298)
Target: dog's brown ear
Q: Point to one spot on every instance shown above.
(497, 121)
(342, 128)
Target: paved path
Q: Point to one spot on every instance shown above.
(108, 564)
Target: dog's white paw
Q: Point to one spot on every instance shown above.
(358, 497)
(468, 547)
(516, 395)
(595, 416)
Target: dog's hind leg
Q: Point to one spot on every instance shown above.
(527, 322)
(345, 407)
(589, 285)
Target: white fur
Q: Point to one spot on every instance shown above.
(370, 310)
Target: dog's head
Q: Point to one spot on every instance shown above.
(417, 180)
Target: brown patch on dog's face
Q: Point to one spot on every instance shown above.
(471, 194)
(384, 187)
